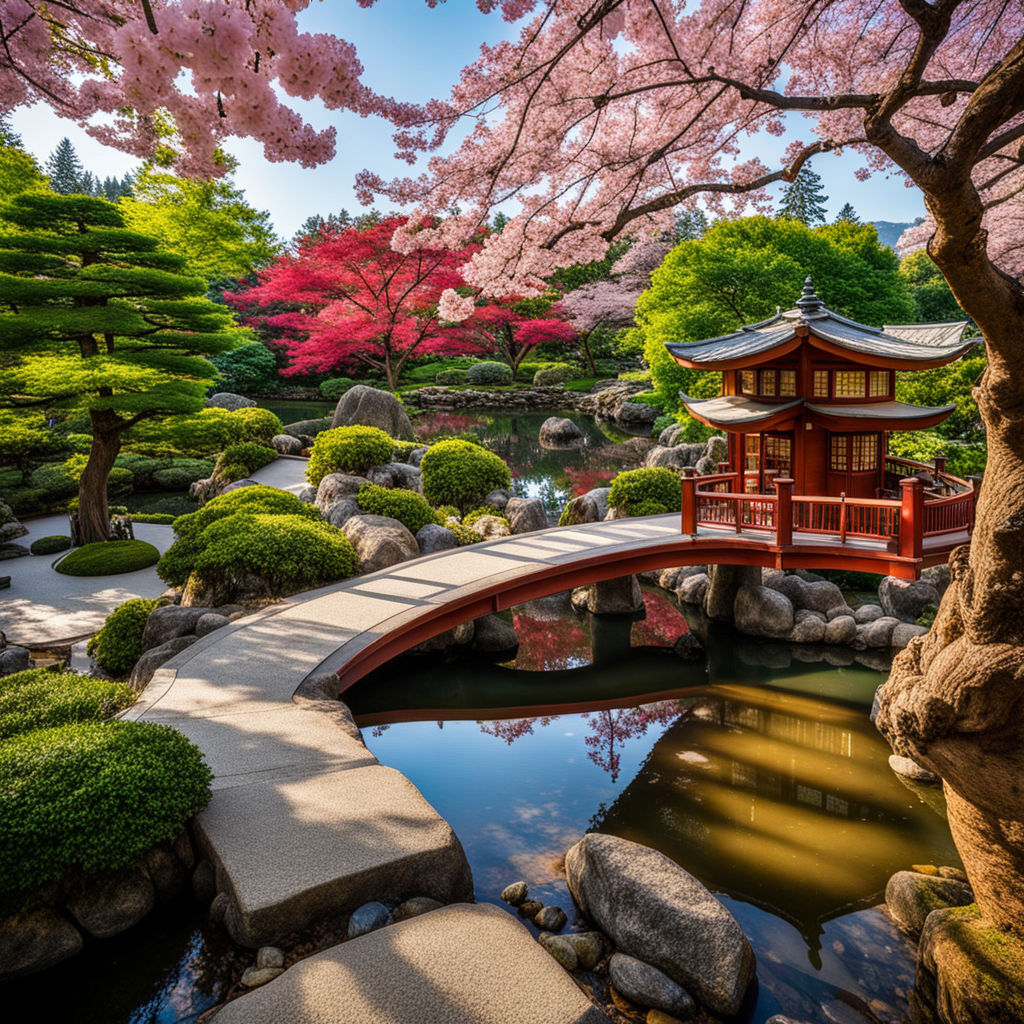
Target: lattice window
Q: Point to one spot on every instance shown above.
(878, 383)
(838, 462)
(752, 451)
(787, 383)
(850, 384)
(864, 452)
(778, 454)
(769, 383)
(748, 382)
(821, 383)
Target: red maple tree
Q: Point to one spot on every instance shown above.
(352, 300)
(510, 327)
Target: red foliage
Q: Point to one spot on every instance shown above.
(552, 644)
(612, 728)
(511, 326)
(354, 300)
(586, 478)
(663, 625)
(440, 424)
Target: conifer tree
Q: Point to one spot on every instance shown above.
(848, 214)
(803, 199)
(65, 169)
(96, 318)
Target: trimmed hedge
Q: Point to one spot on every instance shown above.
(90, 797)
(158, 518)
(334, 387)
(461, 473)
(241, 460)
(646, 492)
(258, 425)
(408, 507)
(118, 645)
(40, 698)
(556, 373)
(348, 450)
(108, 558)
(446, 378)
(489, 372)
(50, 545)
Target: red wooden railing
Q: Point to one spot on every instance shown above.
(948, 515)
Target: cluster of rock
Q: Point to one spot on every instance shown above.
(11, 528)
(100, 905)
(672, 452)
(664, 941)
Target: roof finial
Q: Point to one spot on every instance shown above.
(809, 303)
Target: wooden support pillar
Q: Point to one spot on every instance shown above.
(784, 511)
(911, 517)
(940, 464)
(689, 502)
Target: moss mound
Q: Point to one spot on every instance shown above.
(50, 545)
(461, 473)
(109, 558)
(348, 450)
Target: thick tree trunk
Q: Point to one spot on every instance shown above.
(93, 514)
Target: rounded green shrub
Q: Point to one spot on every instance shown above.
(461, 473)
(50, 545)
(176, 478)
(157, 518)
(446, 378)
(556, 373)
(348, 450)
(334, 387)
(248, 455)
(489, 372)
(408, 507)
(40, 698)
(118, 645)
(463, 534)
(646, 492)
(258, 425)
(91, 796)
(108, 558)
(478, 513)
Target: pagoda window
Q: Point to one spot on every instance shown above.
(820, 384)
(748, 382)
(769, 383)
(838, 456)
(850, 384)
(878, 383)
(752, 452)
(863, 452)
(787, 383)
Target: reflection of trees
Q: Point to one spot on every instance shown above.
(581, 479)
(662, 624)
(550, 644)
(512, 729)
(440, 422)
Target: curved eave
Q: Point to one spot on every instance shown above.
(929, 358)
(738, 415)
(884, 416)
(739, 362)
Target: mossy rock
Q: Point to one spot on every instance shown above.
(50, 545)
(108, 558)
(912, 895)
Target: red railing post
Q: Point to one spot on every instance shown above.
(784, 512)
(723, 467)
(689, 501)
(911, 517)
(842, 518)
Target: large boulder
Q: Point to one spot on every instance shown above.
(559, 432)
(655, 911)
(335, 486)
(432, 537)
(494, 637)
(170, 621)
(112, 901)
(152, 659)
(621, 596)
(34, 940)
(906, 599)
(841, 630)
(525, 515)
(717, 448)
(342, 511)
(668, 458)
(910, 896)
(818, 596)
(647, 986)
(396, 474)
(580, 510)
(693, 589)
(285, 444)
(725, 583)
(369, 407)
(306, 430)
(808, 627)
(636, 415)
(877, 633)
(11, 527)
(904, 633)
(14, 659)
(490, 527)
(380, 541)
(762, 611)
(228, 400)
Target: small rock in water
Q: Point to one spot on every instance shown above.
(515, 893)
(560, 950)
(551, 919)
(648, 986)
(957, 873)
(269, 956)
(588, 947)
(414, 907)
(530, 908)
(912, 770)
(368, 918)
(256, 976)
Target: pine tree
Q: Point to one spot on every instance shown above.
(803, 199)
(65, 169)
(848, 214)
(8, 136)
(97, 319)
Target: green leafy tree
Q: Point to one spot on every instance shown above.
(933, 301)
(741, 270)
(209, 223)
(803, 199)
(96, 318)
(65, 170)
(26, 441)
(848, 214)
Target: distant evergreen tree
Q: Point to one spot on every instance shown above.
(848, 214)
(88, 185)
(65, 169)
(691, 224)
(8, 136)
(803, 199)
(499, 222)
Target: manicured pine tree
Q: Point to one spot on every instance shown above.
(96, 318)
(65, 169)
(803, 199)
(848, 214)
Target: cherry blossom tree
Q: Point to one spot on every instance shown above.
(350, 299)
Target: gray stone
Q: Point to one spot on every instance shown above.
(253, 977)
(559, 432)
(170, 621)
(877, 633)
(306, 430)
(112, 901)
(285, 444)
(530, 909)
(396, 474)
(342, 511)
(11, 527)
(647, 986)
(621, 596)
(14, 659)
(380, 541)
(414, 907)
(718, 448)
(588, 947)
(370, 407)
(808, 627)
(432, 537)
(551, 919)
(725, 582)
(34, 940)
(668, 458)
(937, 576)
(182, 847)
(636, 414)
(416, 455)
(498, 497)
(210, 622)
(526, 515)
(763, 611)
(693, 589)
(307, 494)
(560, 950)
(9, 551)
(910, 769)
(841, 630)
(599, 495)
(368, 918)
(688, 647)
(580, 510)
(269, 956)
(151, 660)
(515, 893)
(219, 908)
(706, 466)
(904, 633)
(457, 636)
(204, 882)
(236, 485)
(838, 611)
(490, 527)
(229, 400)
(671, 433)
(867, 613)
(335, 486)
(821, 596)
(494, 636)
(911, 896)
(165, 871)
(655, 911)
(906, 599)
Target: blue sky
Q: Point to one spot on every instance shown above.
(413, 52)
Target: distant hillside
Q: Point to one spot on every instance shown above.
(889, 231)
